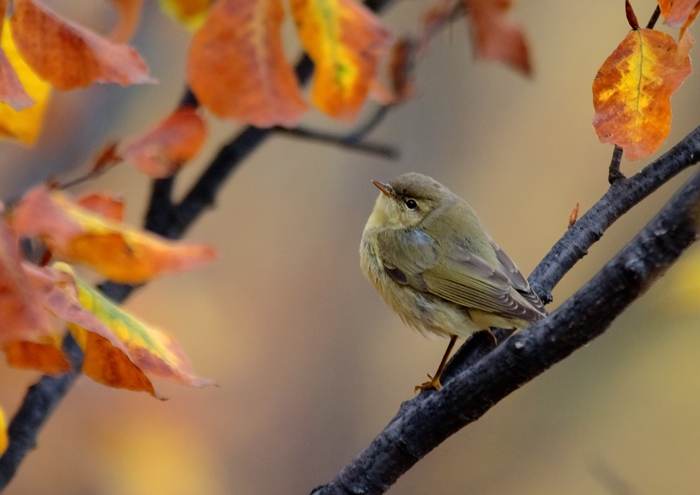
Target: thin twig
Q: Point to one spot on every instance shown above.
(654, 18)
(381, 150)
(614, 173)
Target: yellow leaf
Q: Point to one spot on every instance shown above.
(123, 352)
(191, 13)
(346, 42)
(3, 432)
(632, 91)
(23, 125)
(121, 253)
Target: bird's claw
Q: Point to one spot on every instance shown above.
(433, 384)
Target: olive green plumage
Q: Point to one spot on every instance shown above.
(434, 263)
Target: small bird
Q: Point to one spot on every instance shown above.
(431, 259)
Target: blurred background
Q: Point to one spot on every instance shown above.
(310, 363)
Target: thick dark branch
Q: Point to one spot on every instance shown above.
(426, 421)
(620, 198)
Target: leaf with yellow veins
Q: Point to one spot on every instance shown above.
(19, 118)
(237, 68)
(346, 41)
(113, 249)
(632, 91)
(121, 351)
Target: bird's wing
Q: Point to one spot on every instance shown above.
(468, 280)
(517, 279)
(406, 254)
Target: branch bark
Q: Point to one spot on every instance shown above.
(426, 421)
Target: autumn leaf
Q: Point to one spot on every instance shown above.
(46, 357)
(112, 249)
(496, 36)
(70, 56)
(677, 12)
(191, 13)
(121, 351)
(20, 311)
(109, 207)
(23, 124)
(346, 42)
(236, 65)
(129, 14)
(162, 151)
(632, 91)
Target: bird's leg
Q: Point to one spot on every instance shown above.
(434, 382)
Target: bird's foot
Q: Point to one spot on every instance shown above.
(433, 384)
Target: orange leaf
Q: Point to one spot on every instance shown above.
(110, 248)
(346, 41)
(162, 151)
(110, 207)
(39, 356)
(665, 6)
(23, 125)
(495, 35)
(70, 56)
(121, 351)
(109, 365)
(632, 92)
(236, 65)
(689, 21)
(129, 14)
(20, 312)
(677, 12)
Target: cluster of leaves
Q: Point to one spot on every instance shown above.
(119, 350)
(236, 69)
(632, 90)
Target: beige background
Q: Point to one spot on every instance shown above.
(311, 364)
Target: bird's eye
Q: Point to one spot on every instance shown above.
(411, 204)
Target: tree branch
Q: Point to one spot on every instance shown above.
(620, 198)
(381, 150)
(426, 421)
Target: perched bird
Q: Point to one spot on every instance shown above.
(431, 259)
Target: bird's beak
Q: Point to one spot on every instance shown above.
(384, 188)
